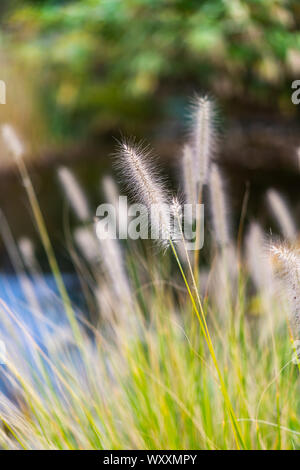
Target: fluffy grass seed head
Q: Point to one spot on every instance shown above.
(12, 141)
(282, 214)
(107, 252)
(219, 208)
(136, 165)
(113, 197)
(87, 243)
(112, 261)
(74, 193)
(204, 136)
(110, 189)
(287, 264)
(189, 175)
(258, 262)
(26, 248)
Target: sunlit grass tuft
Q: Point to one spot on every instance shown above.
(159, 366)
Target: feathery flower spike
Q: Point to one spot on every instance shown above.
(203, 137)
(74, 194)
(144, 182)
(287, 261)
(282, 214)
(219, 209)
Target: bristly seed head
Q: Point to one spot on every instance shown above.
(204, 136)
(135, 163)
(219, 209)
(258, 259)
(189, 175)
(287, 264)
(74, 194)
(12, 141)
(282, 214)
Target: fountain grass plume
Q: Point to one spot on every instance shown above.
(219, 208)
(74, 193)
(258, 262)
(262, 274)
(189, 176)
(87, 243)
(143, 181)
(287, 264)
(204, 136)
(110, 189)
(282, 214)
(112, 195)
(12, 141)
(27, 251)
(112, 262)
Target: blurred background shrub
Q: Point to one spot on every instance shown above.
(80, 72)
(102, 65)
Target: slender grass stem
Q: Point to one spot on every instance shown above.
(204, 328)
(39, 219)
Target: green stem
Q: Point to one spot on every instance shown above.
(203, 325)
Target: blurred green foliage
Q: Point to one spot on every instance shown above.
(107, 64)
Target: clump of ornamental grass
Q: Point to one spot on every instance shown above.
(143, 180)
(173, 374)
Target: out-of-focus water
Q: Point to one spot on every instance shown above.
(30, 312)
(22, 295)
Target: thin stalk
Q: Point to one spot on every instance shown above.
(197, 252)
(242, 220)
(48, 247)
(203, 325)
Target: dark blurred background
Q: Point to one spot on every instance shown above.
(81, 72)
